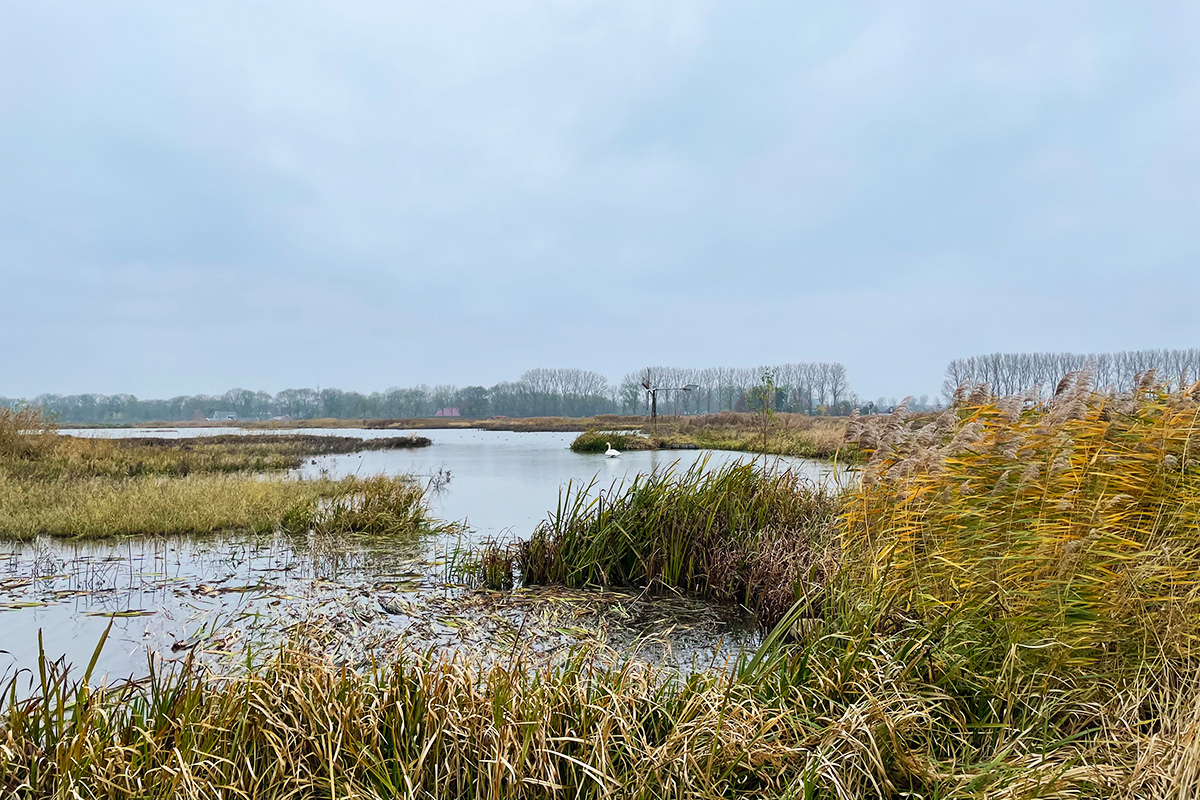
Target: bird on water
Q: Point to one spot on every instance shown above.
(610, 452)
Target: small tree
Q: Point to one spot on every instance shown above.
(761, 400)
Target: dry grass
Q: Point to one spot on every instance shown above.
(842, 717)
(419, 728)
(787, 434)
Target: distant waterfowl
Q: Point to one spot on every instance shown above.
(610, 452)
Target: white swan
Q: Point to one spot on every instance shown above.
(610, 452)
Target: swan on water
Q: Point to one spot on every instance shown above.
(610, 452)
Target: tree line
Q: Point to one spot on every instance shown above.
(1012, 373)
(821, 388)
(803, 388)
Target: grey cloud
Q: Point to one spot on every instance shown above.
(369, 194)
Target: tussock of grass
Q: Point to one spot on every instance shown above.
(738, 534)
(380, 505)
(599, 441)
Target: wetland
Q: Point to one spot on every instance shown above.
(999, 603)
(225, 586)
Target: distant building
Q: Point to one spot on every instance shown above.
(222, 416)
(448, 412)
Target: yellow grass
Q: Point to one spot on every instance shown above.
(1075, 525)
(99, 507)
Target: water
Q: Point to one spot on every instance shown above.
(216, 595)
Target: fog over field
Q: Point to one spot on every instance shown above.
(382, 194)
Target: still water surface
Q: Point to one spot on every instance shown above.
(216, 593)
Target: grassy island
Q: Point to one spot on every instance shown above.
(778, 434)
(65, 486)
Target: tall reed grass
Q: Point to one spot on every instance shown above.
(1055, 548)
(1071, 527)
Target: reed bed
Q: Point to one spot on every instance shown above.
(1071, 528)
(1056, 547)
(737, 534)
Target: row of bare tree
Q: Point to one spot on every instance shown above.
(807, 388)
(1011, 373)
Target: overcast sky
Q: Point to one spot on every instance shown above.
(195, 196)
